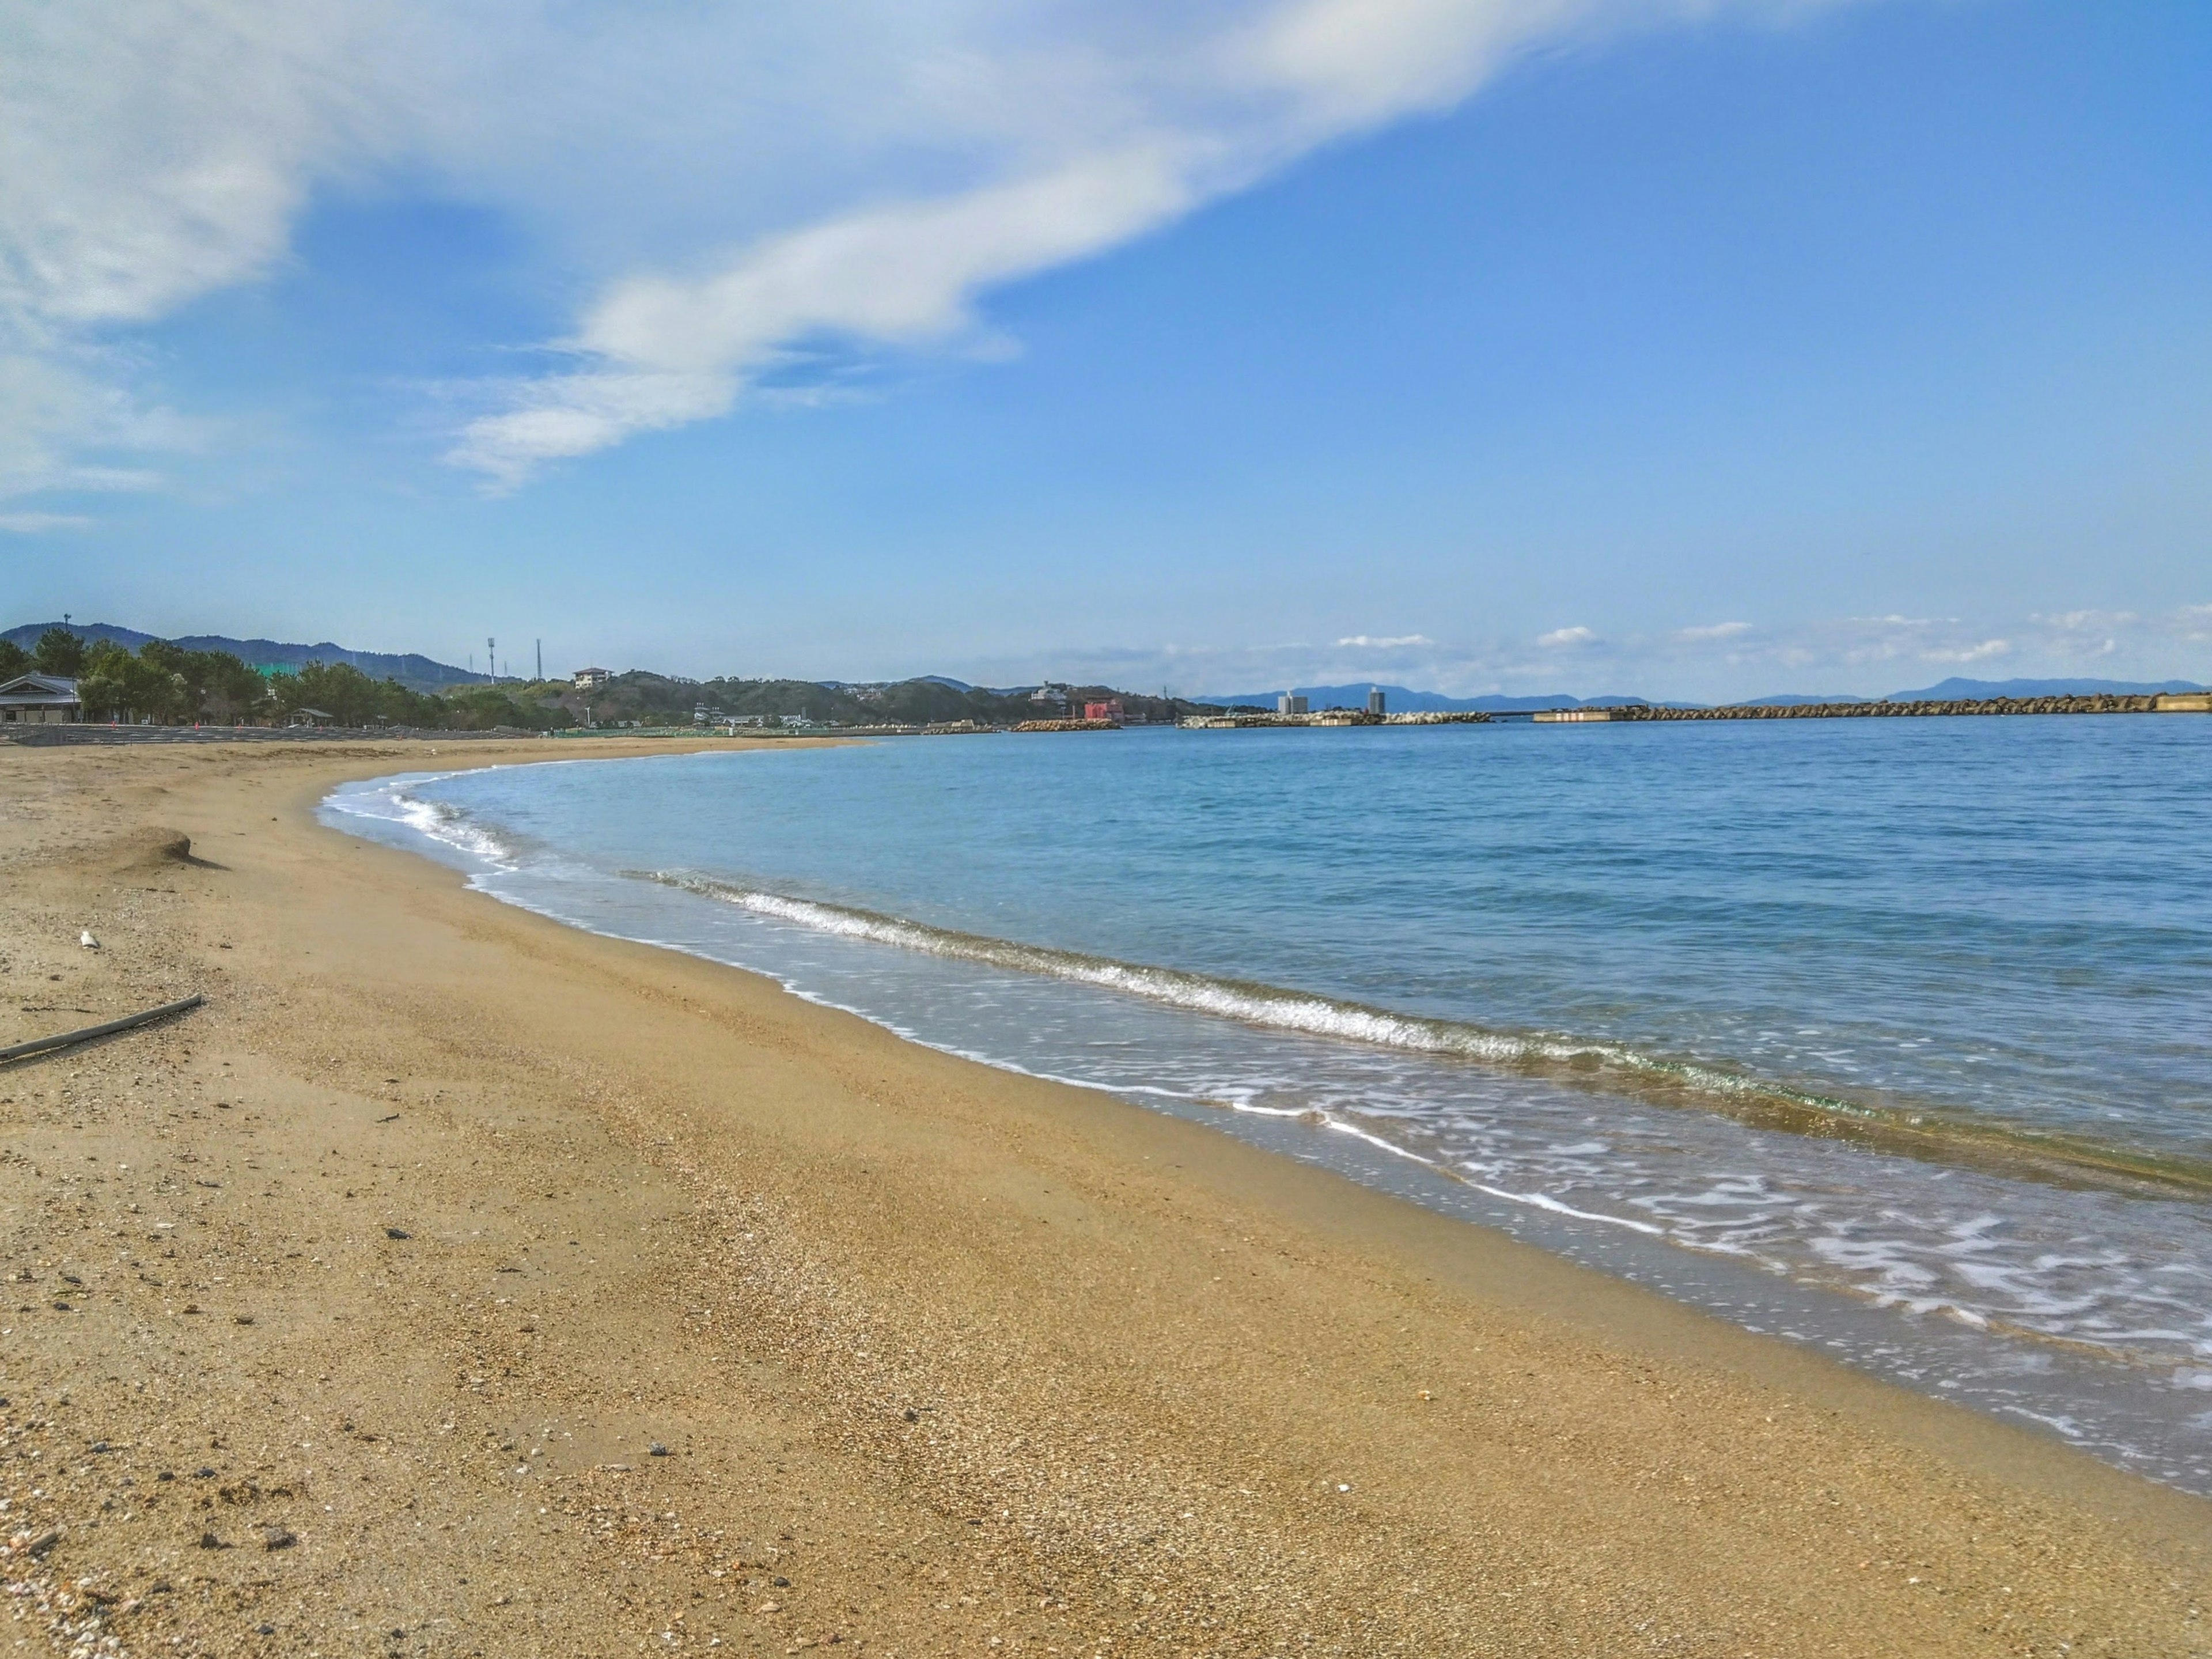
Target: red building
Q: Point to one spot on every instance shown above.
(1108, 710)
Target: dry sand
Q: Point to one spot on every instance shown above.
(346, 1314)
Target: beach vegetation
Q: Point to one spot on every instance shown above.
(652, 699)
(167, 684)
(59, 652)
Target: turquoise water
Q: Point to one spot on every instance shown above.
(1907, 1019)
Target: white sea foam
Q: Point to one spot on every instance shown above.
(394, 801)
(1253, 1003)
(1566, 1143)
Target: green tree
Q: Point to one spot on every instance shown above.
(182, 666)
(13, 661)
(228, 690)
(351, 698)
(338, 689)
(479, 708)
(116, 684)
(59, 652)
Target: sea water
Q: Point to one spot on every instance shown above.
(1893, 1037)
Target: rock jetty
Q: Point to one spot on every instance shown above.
(2102, 703)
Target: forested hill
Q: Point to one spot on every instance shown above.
(410, 669)
(658, 699)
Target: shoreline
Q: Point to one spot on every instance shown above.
(2128, 1406)
(954, 1339)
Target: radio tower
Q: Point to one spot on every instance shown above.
(491, 661)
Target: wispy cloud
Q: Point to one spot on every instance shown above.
(1979, 652)
(64, 425)
(1391, 642)
(38, 524)
(1727, 630)
(1865, 655)
(728, 184)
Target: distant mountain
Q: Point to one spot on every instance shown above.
(1402, 700)
(416, 672)
(1952, 690)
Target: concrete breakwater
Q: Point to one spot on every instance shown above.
(2102, 703)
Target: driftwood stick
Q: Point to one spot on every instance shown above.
(40, 1045)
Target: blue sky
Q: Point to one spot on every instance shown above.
(1663, 346)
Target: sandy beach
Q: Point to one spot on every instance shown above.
(454, 1282)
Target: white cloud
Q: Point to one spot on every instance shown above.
(62, 420)
(1980, 652)
(1727, 630)
(36, 524)
(726, 183)
(1869, 656)
(1392, 642)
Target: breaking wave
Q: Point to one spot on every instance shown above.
(438, 821)
(1612, 1066)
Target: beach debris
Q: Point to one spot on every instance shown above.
(39, 1546)
(86, 939)
(41, 1045)
(656, 1450)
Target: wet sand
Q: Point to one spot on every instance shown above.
(346, 1315)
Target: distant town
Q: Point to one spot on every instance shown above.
(61, 673)
(57, 674)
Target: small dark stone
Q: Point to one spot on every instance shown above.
(395, 1232)
(203, 1474)
(209, 1541)
(62, 1307)
(165, 1475)
(781, 1583)
(99, 1445)
(265, 1630)
(657, 1451)
(912, 1415)
(278, 1538)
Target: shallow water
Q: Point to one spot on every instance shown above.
(1891, 1034)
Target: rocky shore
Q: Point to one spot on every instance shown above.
(2103, 704)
